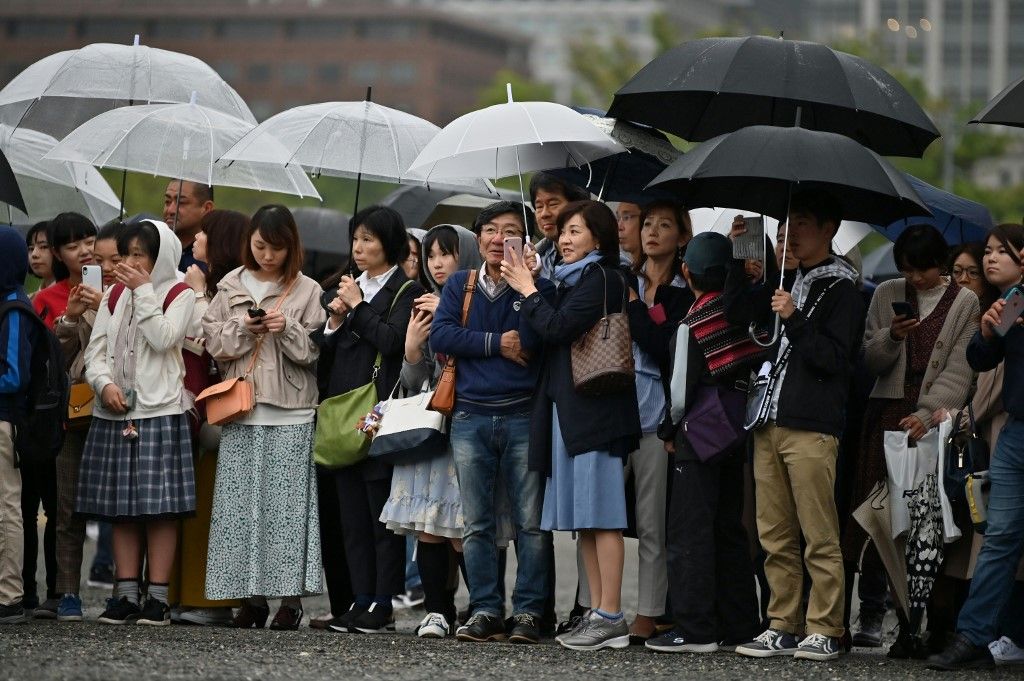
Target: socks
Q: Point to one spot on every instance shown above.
(433, 563)
(158, 592)
(363, 600)
(127, 588)
(610, 616)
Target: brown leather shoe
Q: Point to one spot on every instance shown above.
(287, 619)
(251, 616)
(322, 622)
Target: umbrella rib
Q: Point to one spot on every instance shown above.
(209, 134)
(394, 145)
(532, 124)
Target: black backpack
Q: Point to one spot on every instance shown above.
(39, 431)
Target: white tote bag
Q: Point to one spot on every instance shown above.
(409, 431)
(900, 464)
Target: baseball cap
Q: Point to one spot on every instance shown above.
(707, 250)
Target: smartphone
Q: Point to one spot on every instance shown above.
(750, 245)
(1014, 309)
(92, 276)
(513, 244)
(256, 312)
(902, 307)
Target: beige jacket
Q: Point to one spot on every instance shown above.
(948, 380)
(285, 372)
(74, 338)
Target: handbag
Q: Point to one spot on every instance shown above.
(409, 431)
(762, 389)
(976, 489)
(966, 453)
(713, 425)
(232, 399)
(602, 358)
(443, 398)
(80, 403)
(337, 442)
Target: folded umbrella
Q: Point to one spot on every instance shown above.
(705, 88)
(876, 519)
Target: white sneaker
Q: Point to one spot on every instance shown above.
(1005, 651)
(434, 625)
(207, 617)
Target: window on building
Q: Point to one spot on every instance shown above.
(39, 28)
(402, 72)
(307, 29)
(387, 29)
(120, 31)
(258, 73)
(250, 30)
(329, 73)
(261, 109)
(228, 70)
(365, 72)
(294, 73)
(179, 29)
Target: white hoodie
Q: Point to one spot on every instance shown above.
(159, 367)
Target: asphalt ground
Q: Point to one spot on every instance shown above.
(91, 651)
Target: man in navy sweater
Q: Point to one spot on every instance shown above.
(496, 376)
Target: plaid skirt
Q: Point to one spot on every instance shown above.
(148, 478)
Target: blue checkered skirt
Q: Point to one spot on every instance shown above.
(149, 477)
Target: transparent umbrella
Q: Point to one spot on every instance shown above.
(182, 141)
(51, 187)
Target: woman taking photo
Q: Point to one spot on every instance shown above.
(369, 315)
(921, 365)
(71, 238)
(264, 537)
(136, 469)
(580, 441)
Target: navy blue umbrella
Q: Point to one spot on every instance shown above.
(623, 177)
(957, 219)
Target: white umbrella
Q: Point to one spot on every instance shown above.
(512, 138)
(719, 220)
(53, 187)
(181, 141)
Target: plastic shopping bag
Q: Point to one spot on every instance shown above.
(950, 532)
(900, 465)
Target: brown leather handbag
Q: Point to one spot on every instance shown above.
(80, 403)
(443, 400)
(602, 358)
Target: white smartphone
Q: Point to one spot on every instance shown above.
(1012, 312)
(92, 276)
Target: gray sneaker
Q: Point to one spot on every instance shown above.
(581, 622)
(597, 633)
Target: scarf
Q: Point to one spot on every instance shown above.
(568, 274)
(725, 347)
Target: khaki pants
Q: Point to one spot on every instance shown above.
(12, 536)
(795, 472)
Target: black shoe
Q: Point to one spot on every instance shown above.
(481, 628)
(907, 647)
(376, 620)
(869, 631)
(101, 576)
(962, 654)
(12, 614)
(120, 611)
(155, 613)
(525, 629)
(343, 624)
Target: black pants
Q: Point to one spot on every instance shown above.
(711, 578)
(332, 546)
(375, 555)
(39, 485)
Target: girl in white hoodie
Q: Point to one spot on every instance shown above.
(137, 465)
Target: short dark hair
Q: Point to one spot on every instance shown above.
(1009, 234)
(226, 232)
(386, 224)
(446, 238)
(920, 247)
(111, 230)
(277, 227)
(146, 233)
(202, 192)
(713, 279)
(30, 236)
(600, 221)
(552, 184)
(501, 208)
(819, 203)
(682, 218)
(64, 229)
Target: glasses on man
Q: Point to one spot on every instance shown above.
(627, 217)
(491, 230)
(969, 272)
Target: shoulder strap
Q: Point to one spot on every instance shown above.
(115, 295)
(467, 295)
(789, 346)
(175, 291)
(259, 341)
(398, 294)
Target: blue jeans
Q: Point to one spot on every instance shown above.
(412, 572)
(1004, 540)
(484, 446)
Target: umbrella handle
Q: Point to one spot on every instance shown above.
(776, 333)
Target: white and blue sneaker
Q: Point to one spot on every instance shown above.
(1005, 651)
(69, 609)
(673, 642)
(770, 643)
(818, 647)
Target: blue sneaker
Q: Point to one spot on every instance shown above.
(69, 609)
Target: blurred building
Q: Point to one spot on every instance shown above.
(283, 53)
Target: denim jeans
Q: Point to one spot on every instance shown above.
(485, 446)
(412, 572)
(1004, 540)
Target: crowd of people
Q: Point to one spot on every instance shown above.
(746, 527)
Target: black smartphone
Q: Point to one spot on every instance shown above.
(257, 313)
(903, 308)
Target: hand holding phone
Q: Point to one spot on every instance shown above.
(904, 320)
(1012, 310)
(256, 313)
(749, 244)
(902, 308)
(92, 276)
(513, 244)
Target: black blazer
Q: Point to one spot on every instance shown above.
(610, 422)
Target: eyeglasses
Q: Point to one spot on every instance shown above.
(413, 260)
(490, 230)
(969, 272)
(627, 217)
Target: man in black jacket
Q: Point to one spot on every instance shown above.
(795, 452)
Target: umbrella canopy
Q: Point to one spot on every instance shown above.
(60, 92)
(53, 187)
(719, 220)
(958, 219)
(623, 177)
(754, 169)
(1006, 108)
(880, 264)
(324, 230)
(415, 204)
(708, 87)
(180, 141)
(10, 192)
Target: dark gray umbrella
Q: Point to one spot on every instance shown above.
(10, 192)
(323, 230)
(415, 204)
(1006, 108)
(704, 88)
(755, 168)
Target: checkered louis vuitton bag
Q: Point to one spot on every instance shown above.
(602, 358)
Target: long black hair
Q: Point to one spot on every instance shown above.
(65, 229)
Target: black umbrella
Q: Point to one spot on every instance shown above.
(10, 193)
(704, 88)
(924, 551)
(415, 204)
(756, 168)
(1006, 108)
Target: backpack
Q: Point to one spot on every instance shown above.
(39, 431)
